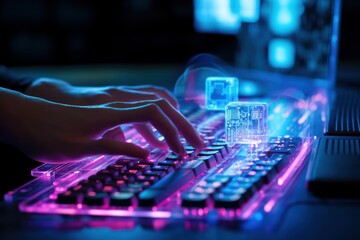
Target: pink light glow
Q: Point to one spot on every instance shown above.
(293, 166)
(200, 212)
(304, 117)
(270, 204)
(46, 208)
(287, 113)
(249, 211)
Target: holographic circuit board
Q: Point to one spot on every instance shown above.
(246, 122)
(219, 91)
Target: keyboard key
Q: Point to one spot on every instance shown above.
(67, 197)
(197, 167)
(210, 161)
(165, 187)
(192, 199)
(174, 164)
(220, 149)
(228, 200)
(216, 154)
(124, 199)
(94, 198)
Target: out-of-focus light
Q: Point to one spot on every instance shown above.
(281, 53)
(284, 16)
(217, 16)
(250, 10)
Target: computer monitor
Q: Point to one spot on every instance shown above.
(287, 41)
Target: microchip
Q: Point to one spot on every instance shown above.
(220, 91)
(246, 122)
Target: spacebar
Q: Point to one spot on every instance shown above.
(165, 187)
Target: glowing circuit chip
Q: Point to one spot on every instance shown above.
(219, 91)
(246, 122)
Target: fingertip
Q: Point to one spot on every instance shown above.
(142, 153)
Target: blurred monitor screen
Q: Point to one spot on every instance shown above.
(283, 40)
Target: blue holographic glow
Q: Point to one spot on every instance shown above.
(219, 91)
(246, 122)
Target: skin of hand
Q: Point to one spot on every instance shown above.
(60, 91)
(53, 132)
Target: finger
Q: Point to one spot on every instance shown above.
(175, 117)
(116, 134)
(124, 94)
(184, 126)
(161, 92)
(145, 112)
(113, 147)
(149, 135)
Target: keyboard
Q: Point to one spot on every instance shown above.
(217, 182)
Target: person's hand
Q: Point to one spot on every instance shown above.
(60, 91)
(52, 132)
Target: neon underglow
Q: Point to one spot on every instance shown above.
(270, 204)
(294, 165)
(251, 209)
(95, 212)
(304, 117)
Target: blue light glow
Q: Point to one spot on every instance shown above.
(284, 16)
(246, 122)
(219, 91)
(249, 10)
(217, 16)
(281, 53)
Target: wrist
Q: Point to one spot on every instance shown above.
(50, 89)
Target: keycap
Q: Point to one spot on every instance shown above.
(191, 199)
(122, 199)
(165, 187)
(197, 167)
(228, 200)
(94, 198)
(67, 197)
(210, 161)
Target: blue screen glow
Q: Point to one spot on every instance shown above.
(281, 53)
(284, 16)
(249, 10)
(217, 16)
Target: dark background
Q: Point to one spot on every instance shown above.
(65, 32)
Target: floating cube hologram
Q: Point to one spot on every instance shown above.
(219, 91)
(246, 122)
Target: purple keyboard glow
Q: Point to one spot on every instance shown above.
(219, 182)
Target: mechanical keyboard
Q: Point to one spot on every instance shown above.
(219, 181)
